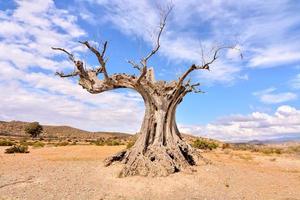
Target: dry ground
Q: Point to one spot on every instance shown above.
(76, 172)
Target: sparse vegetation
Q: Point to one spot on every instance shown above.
(6, 143)
(293, 149)
(26, 143)
(204, 144)
(265, 149)
(112, 143)
(102, 142)
(34, 129)
(62, 143)
(130, 144)
(271, 150)
(225, 146)
(17, 149)
(98, 142)
(246, 157)
(38, 144)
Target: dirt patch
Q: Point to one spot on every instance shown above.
(77, 172)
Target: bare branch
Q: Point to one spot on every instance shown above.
(70, 56)
(193, 87)
(161, 28)
(100, 57)
(136, 66)
(104, 49)
(206, 65)
(79, 65)
(63, 75)
(157, 46)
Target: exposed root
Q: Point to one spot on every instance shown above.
(157, 160)
(117, 157)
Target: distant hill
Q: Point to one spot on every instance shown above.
(16, 128)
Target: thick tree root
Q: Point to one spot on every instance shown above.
(157, 160)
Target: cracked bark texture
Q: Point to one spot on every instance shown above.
(159, 149)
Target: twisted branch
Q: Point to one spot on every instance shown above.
(100, 57)
(72, 58)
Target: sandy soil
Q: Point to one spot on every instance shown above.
(76, 172)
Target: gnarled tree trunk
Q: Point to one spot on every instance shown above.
(159, 149)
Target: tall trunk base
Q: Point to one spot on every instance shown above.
(157, 160)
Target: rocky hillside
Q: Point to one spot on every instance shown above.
(16, 128)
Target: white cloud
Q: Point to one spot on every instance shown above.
(295, 82)
(269, 57)
(264, 43)
(141, 18)
(284, 122)
(19, 103)
(29, 89)
(269, 97)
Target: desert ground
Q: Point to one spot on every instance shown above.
(77, 172)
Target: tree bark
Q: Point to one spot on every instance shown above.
(159, 149)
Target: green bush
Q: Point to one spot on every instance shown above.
(6, 143)
(34, 129)
(204, 144)
(17, 149)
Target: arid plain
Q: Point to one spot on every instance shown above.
(77, 172)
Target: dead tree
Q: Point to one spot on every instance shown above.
(159, 149)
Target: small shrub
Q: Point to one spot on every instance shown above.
(17, 149)
(101, 142)
(278, 151)
(204, 144)
(34, 129)
(98, 142)
(112, 143)
(6, 143)
(271, 150)
(293, 149)
(59, 144)
(225, 146)
(38, 144)
(27, 143)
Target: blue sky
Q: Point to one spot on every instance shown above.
(253, 98)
